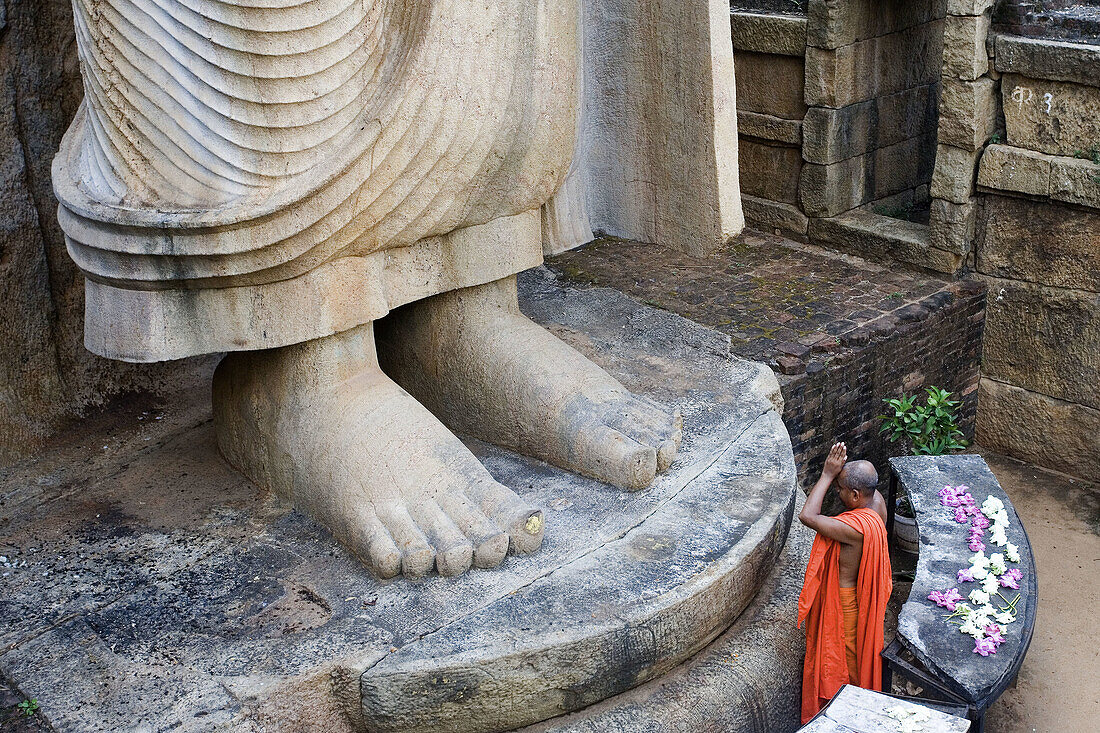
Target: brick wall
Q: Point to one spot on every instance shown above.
(937, 341)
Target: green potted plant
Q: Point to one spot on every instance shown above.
(930, 429)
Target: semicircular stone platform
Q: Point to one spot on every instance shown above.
(226, 608)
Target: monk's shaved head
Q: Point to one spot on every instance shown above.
(859, 475)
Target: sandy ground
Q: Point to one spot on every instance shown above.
(1058, 689)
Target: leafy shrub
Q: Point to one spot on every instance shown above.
(930, 429)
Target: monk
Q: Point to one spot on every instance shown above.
(848, 582)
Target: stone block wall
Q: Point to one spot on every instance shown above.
(769, 57)
(837, 112)
(1037, 245)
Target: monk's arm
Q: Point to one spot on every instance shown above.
(811, 514)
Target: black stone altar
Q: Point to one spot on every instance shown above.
(947, 666)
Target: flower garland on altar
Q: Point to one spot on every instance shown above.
(987, 615)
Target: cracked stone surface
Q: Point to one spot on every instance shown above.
(150, 585)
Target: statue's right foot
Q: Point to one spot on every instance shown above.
(320, 424)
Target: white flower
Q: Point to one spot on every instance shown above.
(972, 629)
(979, 560)
(1012, 552)
(979, 573)
(991, 506)
(1005, 617)
(990, 585)
(980, 597)
(997, 536)
(1000, 519)
(997, 564)
(986, 610)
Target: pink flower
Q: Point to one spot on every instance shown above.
(966, 575)
(985, 647)
(979, 521)
(1012, 579)
(960, 516)
(936, 597)
(966, 500)
(976, 545)
(995, 633)
(950, 598)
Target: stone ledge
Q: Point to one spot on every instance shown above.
(879, 238)
(749, 680)
(1022, 171)
(774, 215)
(783, 35)
(1055, 60)
(768, 127)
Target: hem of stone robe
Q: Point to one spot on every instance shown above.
(161, 324)
(825, 669)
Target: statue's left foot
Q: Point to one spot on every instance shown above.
(471, 357)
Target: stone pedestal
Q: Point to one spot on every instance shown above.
(161, 588)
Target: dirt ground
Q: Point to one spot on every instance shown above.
(1058, 689)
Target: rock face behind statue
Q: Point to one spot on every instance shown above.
(272, 180)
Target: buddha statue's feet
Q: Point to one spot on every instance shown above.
(485, 369)
(320, 424)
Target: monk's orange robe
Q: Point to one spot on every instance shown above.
(826, 670)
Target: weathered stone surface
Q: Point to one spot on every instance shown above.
(1075, 181)
(770, 171)
(47, 377)
(1014, 169)
(772, 34)
(951, 226)
(1044, 59)
(943, 552)
(1044, 339)
(834, 23)
(773, 215)
(1039, 429)
(968, 112)
(953, 176)
(748, 681)
(770, 84)
(964, 54)
(1052, 117)
(828, 190)
(656, 158)
(767, 127)
(881, 238)
(868, 69)
(968, 7)
(1039, 242)
(832, 135)
(204, 604)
